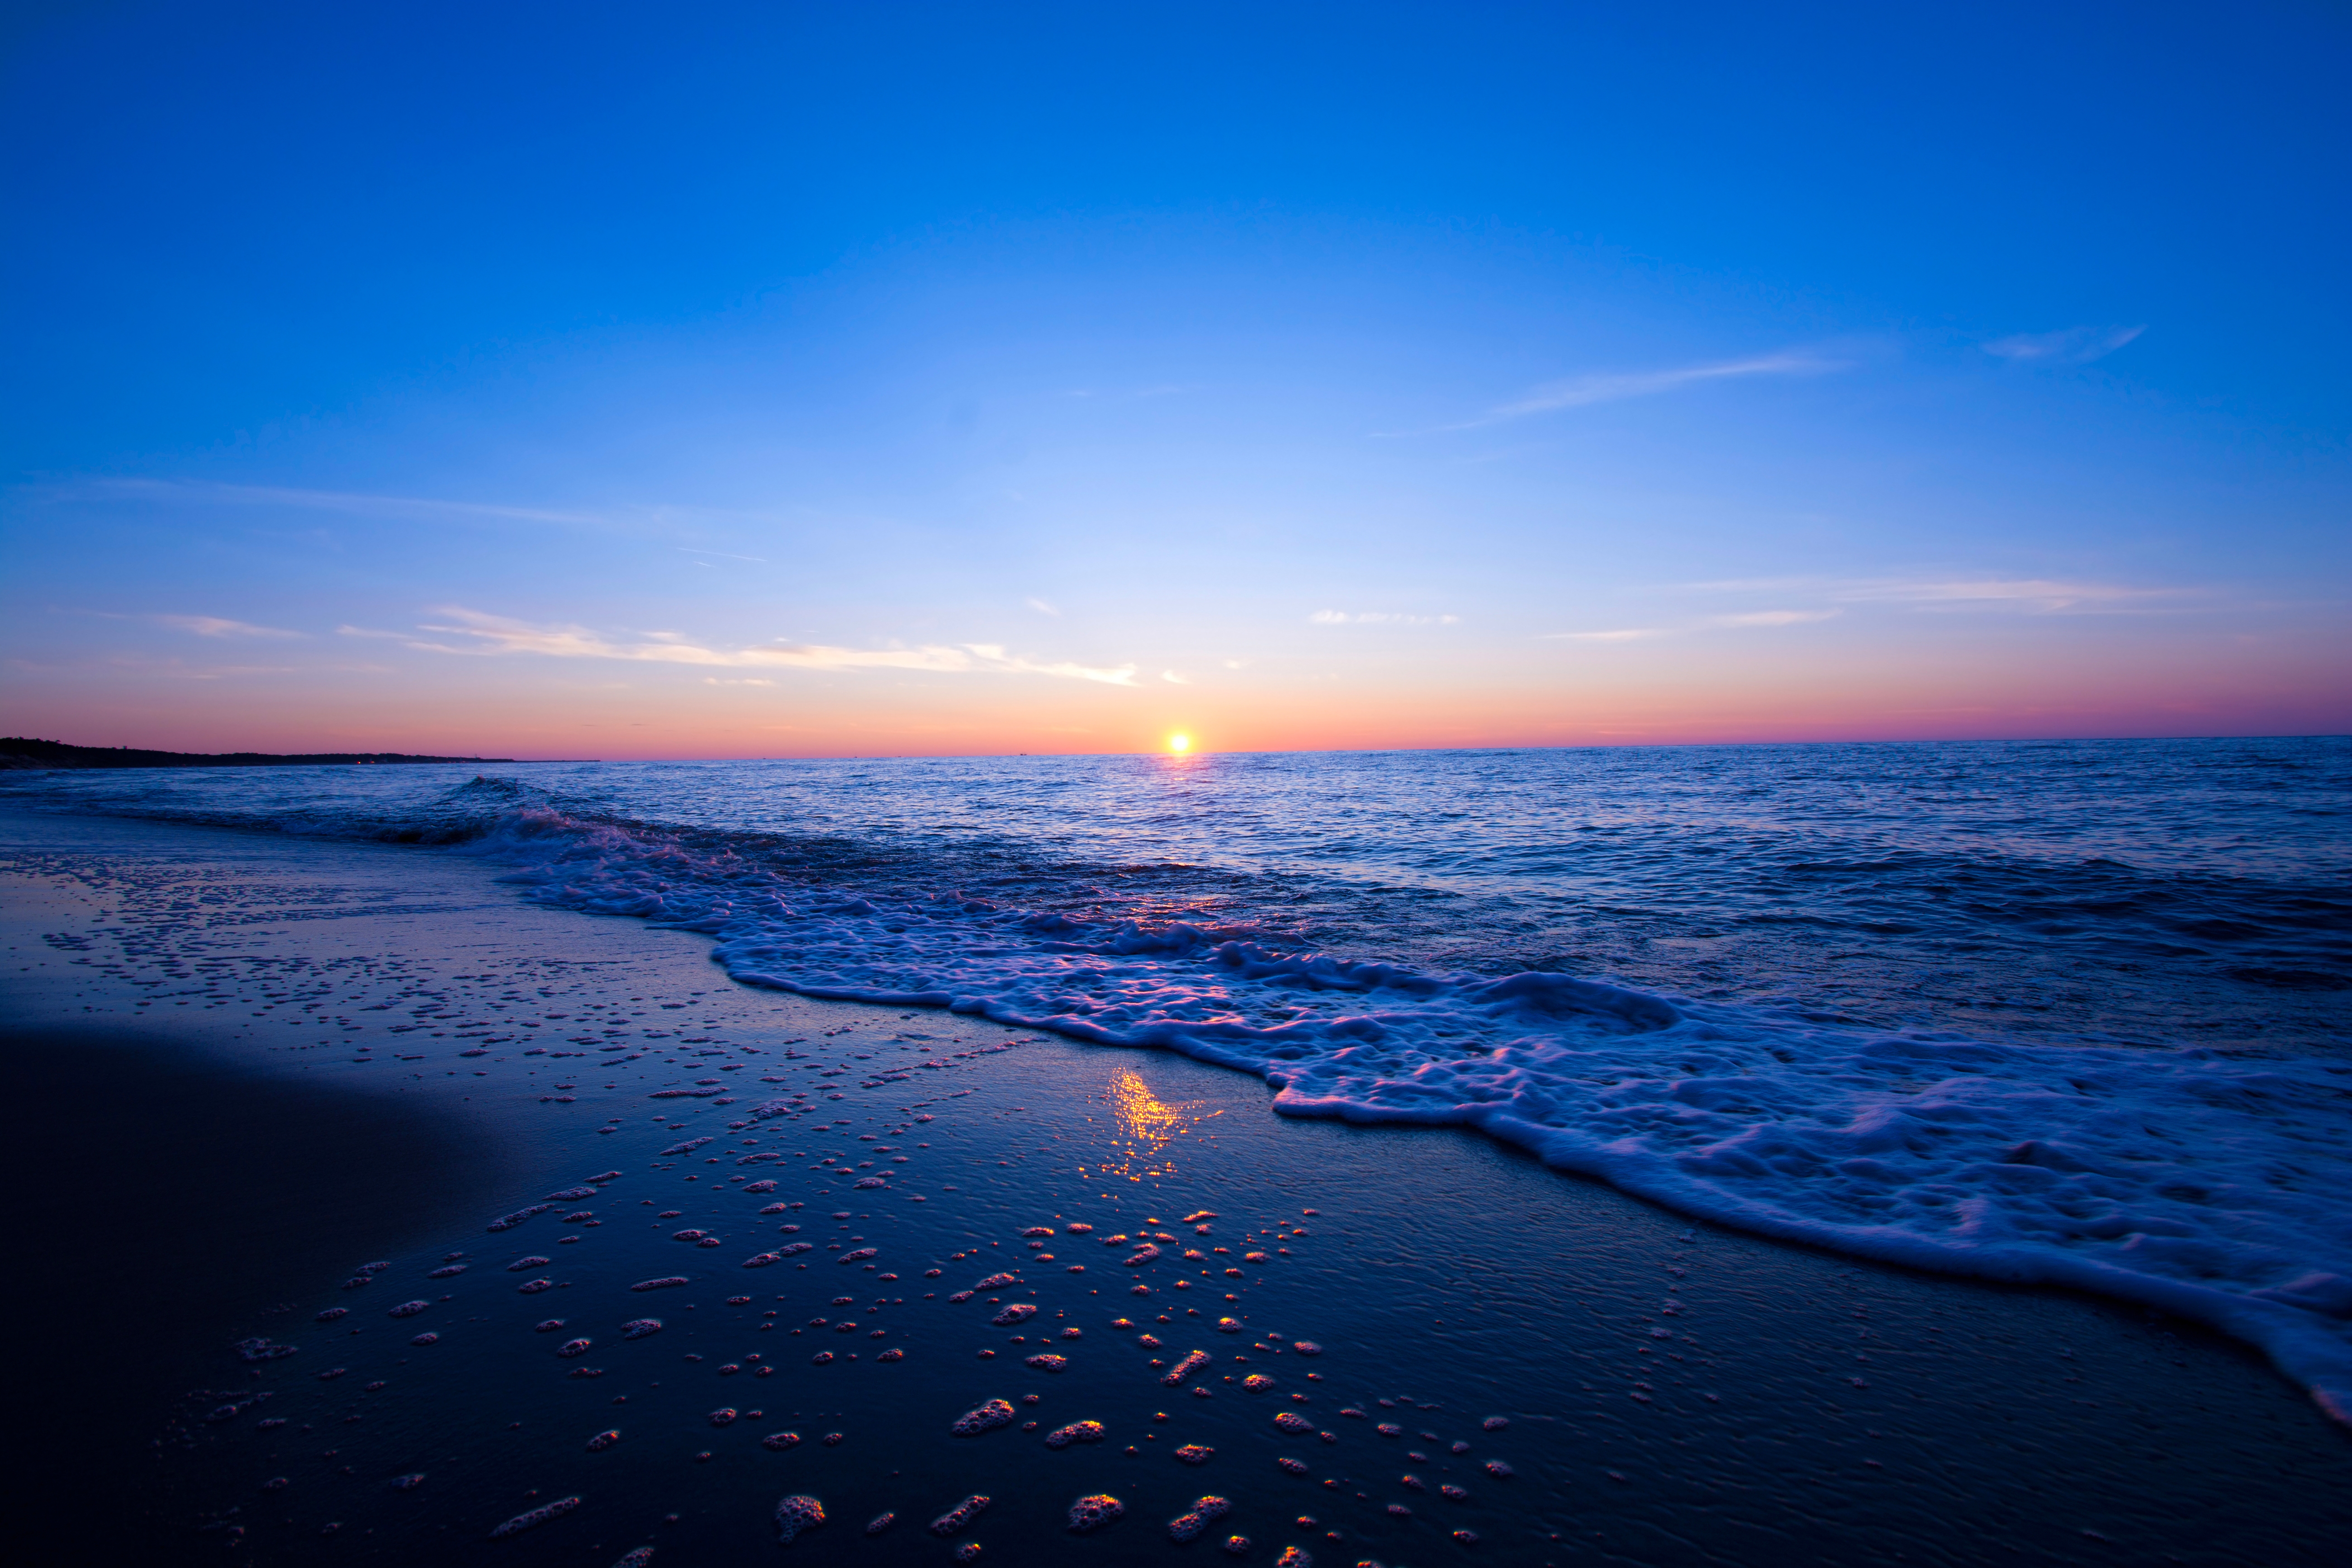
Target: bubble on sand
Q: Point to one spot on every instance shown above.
(880, 1523)
(1291, 1557)
(1194, 1361)
(723, 1416)
(262, 1348)
(761, 1260)
(780, 1441)
(521, 1264)
(796, 1513)
(448, 1271)
(1019, 1312)
(533, 1287)
(983, 1418)
(963, 1513)
(1229, 1325)
(548, 1325)
(537, 1516)
(663, 1283)
(996, 1282)
(1306, 1347)
(408, 1309)
(427, 1338)
(821, 1358)
(1291, 1422)
(1466, 1537)
(571, 1348)
(1497, 1468)
(1038, 1230)
(1237, 1545)
(1453, 1492)
(1195, 1454)
(863, 1252)
(331, 1313)
(604, 1440)
(1076, 1432)
(636, 1558)
(508, 1221)
(1494, 1423)
(1294, 1467)
(1257, 1382)
(892, 1355)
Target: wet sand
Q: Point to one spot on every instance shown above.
(1665, 1393)
(177, 1198)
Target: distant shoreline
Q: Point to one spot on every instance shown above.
(18, 752)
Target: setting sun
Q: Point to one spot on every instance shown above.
(1180, 743)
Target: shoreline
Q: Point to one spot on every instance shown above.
(1441, 1264)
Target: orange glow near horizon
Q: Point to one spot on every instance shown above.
(1180, 743)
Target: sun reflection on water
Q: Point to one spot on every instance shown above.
(1145, 1126)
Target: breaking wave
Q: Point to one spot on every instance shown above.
(2208, 1182)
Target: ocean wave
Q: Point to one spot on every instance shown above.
(2204, 1181)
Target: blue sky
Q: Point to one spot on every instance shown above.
(571, 380)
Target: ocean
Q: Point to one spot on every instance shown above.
(2064, 1013)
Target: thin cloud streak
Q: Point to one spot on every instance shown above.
(206, 492)
(1378, 618)
(1583, 392)
(2071, 346)
(207, 625)
(499, 635)
(2046, 594)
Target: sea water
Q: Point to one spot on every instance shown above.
(2062, 1012)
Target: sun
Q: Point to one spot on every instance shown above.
(1180, 744)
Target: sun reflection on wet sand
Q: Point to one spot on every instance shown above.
(1147, 1125)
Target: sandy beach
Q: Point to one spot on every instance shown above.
(286, 1088)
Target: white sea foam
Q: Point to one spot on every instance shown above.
(2205, 1183)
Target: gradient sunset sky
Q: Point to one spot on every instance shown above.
(628, 381)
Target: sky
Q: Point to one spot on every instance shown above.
(637, 381)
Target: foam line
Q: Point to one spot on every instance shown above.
(2205, 1183)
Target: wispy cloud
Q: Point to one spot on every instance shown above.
(488, 633)
(1752, 621)
(206, 492)
(1042, 607)
(1378, 618)
(1583, 391)
(1172, 678)
(2050, 596)
(722, 554)
(204, 626)
(1772, 617)
(2071, 346)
